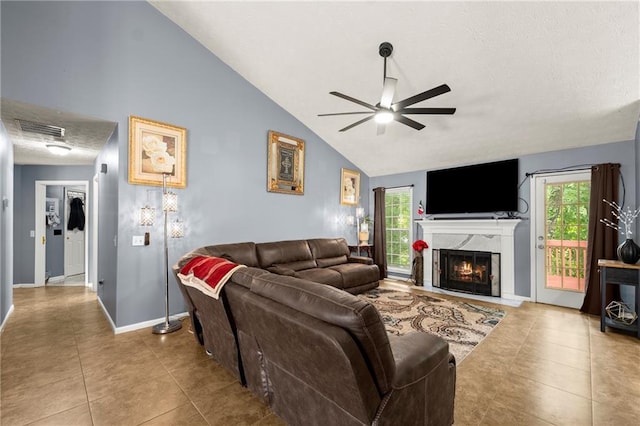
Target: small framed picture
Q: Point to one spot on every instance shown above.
(350, 187)
(285, 164)
(157, 149)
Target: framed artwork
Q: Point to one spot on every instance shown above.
(350, 187)
(156, 149)
(285, 164)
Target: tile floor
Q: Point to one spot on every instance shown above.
(62, 365)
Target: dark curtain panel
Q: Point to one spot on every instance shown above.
(603, 240)
(379, 232)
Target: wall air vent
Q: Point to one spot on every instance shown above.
(42, 129)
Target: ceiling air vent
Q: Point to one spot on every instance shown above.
(43, 129)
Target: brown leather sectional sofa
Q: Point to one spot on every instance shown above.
(315, 353)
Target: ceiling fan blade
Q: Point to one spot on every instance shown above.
(381, 127)
(354, 100)
(388, 90)
(427, 111)
(356, 123)
(409, 122)
(431, 93)
(344, 113)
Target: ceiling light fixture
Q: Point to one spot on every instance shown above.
(58, 149)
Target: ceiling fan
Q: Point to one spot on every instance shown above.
(386, 110)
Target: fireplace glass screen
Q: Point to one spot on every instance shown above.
(475, 272)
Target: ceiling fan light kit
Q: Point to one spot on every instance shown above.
(386, 111)
(384, 117)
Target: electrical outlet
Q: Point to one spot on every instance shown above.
(138, 240)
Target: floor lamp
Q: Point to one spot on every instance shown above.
(169, 203)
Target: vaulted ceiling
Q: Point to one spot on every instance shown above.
(525, 77)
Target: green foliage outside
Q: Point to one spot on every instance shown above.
(567, 214)
(398, 223)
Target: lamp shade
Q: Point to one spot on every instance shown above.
(147, 215)
(170, 202)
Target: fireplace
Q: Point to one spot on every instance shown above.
(475, 272)
(489, 235)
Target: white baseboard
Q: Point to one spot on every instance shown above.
(4, 322)
(150, 323)
(26, 285)
(139, 325)
(63, 284)
(58, 279)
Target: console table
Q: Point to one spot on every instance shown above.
(617, 272)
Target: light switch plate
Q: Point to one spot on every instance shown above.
(138, 240)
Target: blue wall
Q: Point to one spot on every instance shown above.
(621, 152)
(114, 59)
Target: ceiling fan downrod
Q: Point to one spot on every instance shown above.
(385, 50)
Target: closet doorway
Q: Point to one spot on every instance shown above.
(71, 244)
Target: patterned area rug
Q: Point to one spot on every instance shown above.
(461, 324)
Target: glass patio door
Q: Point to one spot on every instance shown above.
(561, 223)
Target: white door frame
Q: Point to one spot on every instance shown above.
(94, 234)
(534, 200)
(66, 232)
(39, 263)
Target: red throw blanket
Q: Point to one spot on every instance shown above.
(208, 274)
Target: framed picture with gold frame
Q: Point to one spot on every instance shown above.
(349, 187)
(285, 164)
(156, 149)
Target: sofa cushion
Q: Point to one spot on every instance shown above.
(323, 276)
(242, 253)
(328, 247)
(356, 274)
(330, 261)
(294, 255)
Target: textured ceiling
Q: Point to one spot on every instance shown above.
(84, 135)
(525, 77)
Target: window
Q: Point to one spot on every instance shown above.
(398, 203)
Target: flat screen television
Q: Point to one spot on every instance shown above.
(479, 188)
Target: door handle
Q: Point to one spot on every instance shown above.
(541, 246)
(43, 240)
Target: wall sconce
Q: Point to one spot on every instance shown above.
(351, 220)
(359, 212)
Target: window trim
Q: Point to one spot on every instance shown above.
(408, 188)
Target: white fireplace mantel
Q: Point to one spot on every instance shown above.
(493, 235)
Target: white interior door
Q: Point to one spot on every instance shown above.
(560, 208)
(74, 239)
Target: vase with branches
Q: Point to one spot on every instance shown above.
(628, 251)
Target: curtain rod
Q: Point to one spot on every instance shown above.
(394, 187)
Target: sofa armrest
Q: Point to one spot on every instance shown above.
(281, 271)
(360, 259)
(416, 355)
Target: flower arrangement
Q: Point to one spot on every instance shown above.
(626, 217)
(419, 245)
